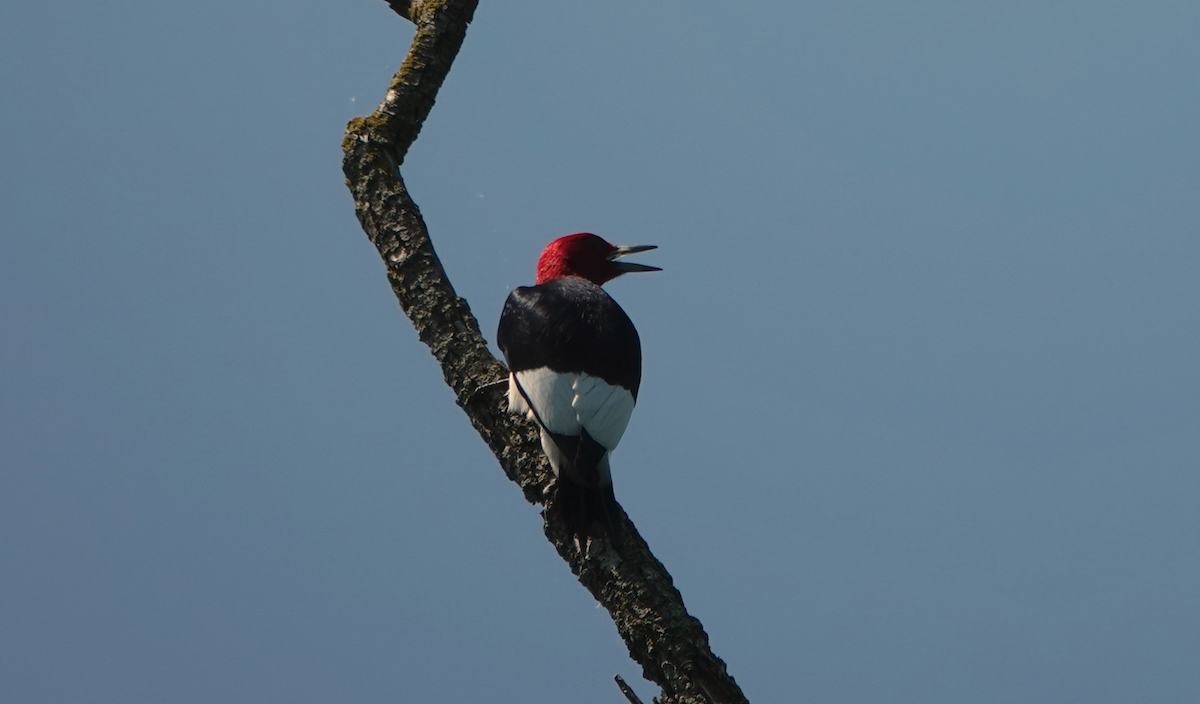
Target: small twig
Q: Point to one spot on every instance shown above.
(627, 691)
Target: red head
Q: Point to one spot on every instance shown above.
(589, 257)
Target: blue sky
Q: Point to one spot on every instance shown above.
(919, 416)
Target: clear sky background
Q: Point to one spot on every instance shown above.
(919, 420)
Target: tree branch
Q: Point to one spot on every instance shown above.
(404, 8)
(622, 574)
(627, 690)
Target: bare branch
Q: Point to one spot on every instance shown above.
(627, 691)
(623, 575)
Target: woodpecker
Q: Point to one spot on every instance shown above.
(575, 364)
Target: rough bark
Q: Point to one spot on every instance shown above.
(622, 574)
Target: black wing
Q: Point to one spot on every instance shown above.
(572, 326)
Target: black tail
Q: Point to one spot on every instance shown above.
(585, 497)
(588, 512)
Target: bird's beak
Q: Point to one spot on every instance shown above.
(630, 267)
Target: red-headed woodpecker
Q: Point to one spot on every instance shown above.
(575, 364)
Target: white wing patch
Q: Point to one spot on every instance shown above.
(566, 402)
(603, 409)
(550, 394)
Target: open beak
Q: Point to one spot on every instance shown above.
(630, 267)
